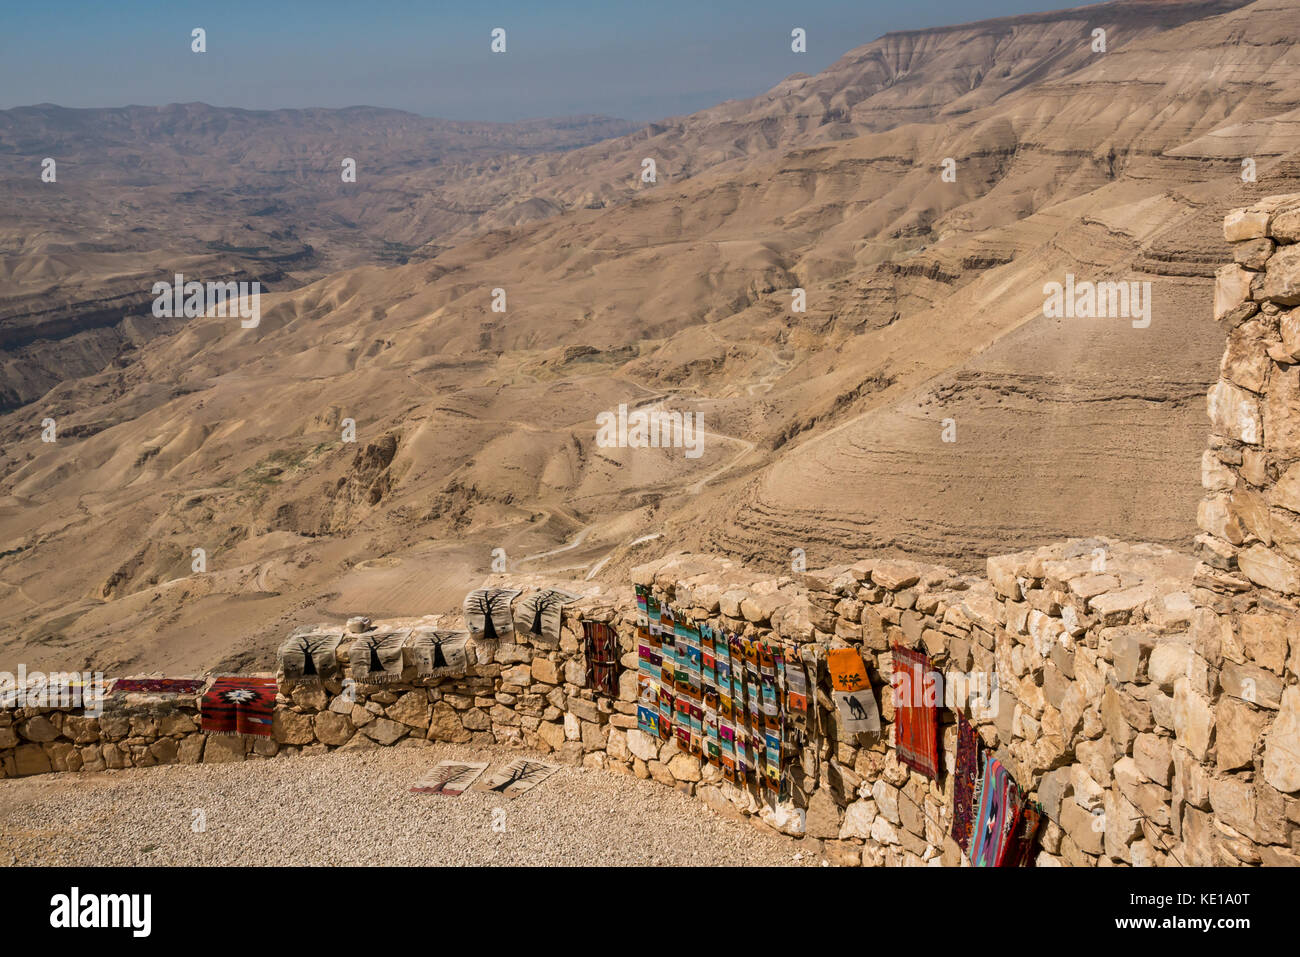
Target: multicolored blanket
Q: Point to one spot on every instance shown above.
(311, 656)
(999, 814)
(963, 801)
(649, 653)
(236, 705)
(916, 715)
(740, 704)
(851, 691)
(156, 685)
(1020, 853)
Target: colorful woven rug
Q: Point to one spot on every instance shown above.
(157, 685)
(377, 658)
(648, 671)
(663, 642)
(236, 705)
(1020, 853)
(851, 692)
(487, 614)
(690, 656)
(450, 777)
(857, 712)
(309, 655)
(438, 653)
(538, 615)
(796, 692)
(916, 717)
(847, 672)
(602, 657)
(963, 801)
(999, 813)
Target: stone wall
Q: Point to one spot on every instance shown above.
(1147, 698)
(142, 731)
(525, 693)
(1065, 659)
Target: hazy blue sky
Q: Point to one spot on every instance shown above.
(640, 61)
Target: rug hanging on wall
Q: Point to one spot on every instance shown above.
(520, 775)
(377, 658)
(450, 777)
(709, 642)
(487, 615)
(999, 815)
(726, 706)
(438, 653)
(310, 656)
(602, 657)
(238, 705)
(1020, 852)
(963, 801)
(649, 669)
(851, 690)
(538, 615)
(796, 692)
(916, 717)
(690, 698)
(793, 705)
(156, 686)
(661, 641)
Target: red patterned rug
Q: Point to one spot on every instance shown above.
(916, 717)
(235, 705)
(159, 685)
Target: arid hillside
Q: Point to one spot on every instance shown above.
(822, 430)
(221, 194)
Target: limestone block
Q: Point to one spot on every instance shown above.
(1233, 801)
(1231, 289)
(289, 727)
(1235, 413)
(1193, 720)
(1281, 418)
(1266, 639)
(1251, 684)
(219, 749)
(411, 709)
(1282, 745)
(332, 728)
(1084, 829)
(38, 728)
(1243, 224)
(1153, 755)
(1282, 279)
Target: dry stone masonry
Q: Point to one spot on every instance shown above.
(1147, 698)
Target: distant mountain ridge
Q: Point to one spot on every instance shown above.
(823, 429)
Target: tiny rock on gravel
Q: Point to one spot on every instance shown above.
(357, 808)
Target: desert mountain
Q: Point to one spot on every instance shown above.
(823, 430)
(222, 194)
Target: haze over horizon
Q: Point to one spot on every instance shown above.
(573, 57)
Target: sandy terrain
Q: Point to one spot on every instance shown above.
(355, 808)
(476, 429)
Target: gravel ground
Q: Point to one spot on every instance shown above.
(355, 808)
